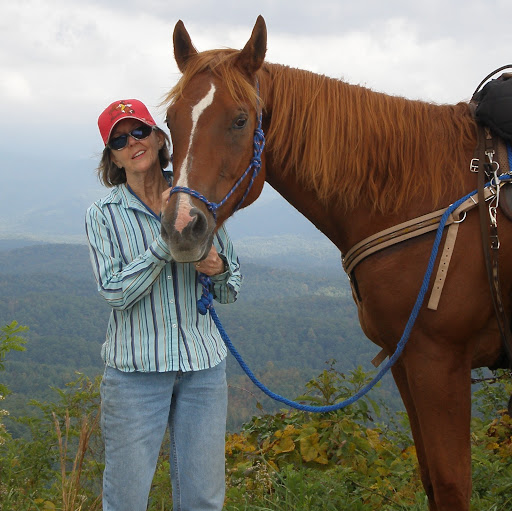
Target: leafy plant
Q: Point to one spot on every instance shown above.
(58, 465)
(344, 460)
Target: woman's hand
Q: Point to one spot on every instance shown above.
(165, 199)
(213, 264)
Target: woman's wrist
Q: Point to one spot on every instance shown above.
(223, 266)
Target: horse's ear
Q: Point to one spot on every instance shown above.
(183, 47)
(252, 56)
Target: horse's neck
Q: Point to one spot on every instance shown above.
(325, 219)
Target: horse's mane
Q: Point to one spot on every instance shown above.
(353, 144)
(349, 143)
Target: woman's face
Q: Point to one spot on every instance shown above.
(137, 156)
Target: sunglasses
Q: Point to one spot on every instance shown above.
(139, 133)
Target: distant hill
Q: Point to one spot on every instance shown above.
(55, 207)
(69, 260)
(9, 244)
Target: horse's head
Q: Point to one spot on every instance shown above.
(213, 119)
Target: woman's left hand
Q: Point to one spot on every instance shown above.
(212, 264)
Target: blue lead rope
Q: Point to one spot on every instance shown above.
(206, 303)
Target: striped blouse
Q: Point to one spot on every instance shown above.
(154, 324)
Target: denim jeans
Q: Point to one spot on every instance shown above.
(136, 409)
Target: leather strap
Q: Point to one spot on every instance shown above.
(490, 236)
(380, 357)
(389, 237)
(442, 270)
(404, 231)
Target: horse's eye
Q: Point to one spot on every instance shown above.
(240, 122)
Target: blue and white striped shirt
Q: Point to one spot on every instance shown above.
(154, 324)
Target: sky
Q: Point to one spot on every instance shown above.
(63, 61)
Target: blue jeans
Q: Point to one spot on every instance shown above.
(136, 409)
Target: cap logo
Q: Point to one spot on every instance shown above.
(121, 109)
(125, 108)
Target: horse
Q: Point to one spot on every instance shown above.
(354, 162)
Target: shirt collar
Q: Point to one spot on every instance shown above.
(121, 195)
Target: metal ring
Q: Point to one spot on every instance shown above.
(461, 220)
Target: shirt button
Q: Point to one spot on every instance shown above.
(174, 325)
(171, 301)
(169, 277)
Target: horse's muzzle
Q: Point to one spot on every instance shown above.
(193, 242)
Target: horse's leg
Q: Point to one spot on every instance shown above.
(439, 380)
(400, 377)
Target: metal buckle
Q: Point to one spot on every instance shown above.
(492, 216)
(495, 242)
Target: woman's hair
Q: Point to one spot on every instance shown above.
(111, 175)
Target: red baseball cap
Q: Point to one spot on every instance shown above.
(119, 110)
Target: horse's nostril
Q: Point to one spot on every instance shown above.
(199, 224)
(190, 242)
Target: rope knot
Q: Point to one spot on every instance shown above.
(259, 141)
(256, 163)
(205, 303)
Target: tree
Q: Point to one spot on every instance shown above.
(10, 341)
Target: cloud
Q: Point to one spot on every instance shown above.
(63, 61)
(14, 87)
(69, 51)
(68, 56)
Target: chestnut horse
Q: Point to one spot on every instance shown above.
(354, 162)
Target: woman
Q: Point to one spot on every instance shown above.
(164, 362)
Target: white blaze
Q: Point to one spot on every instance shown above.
(184, 202)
